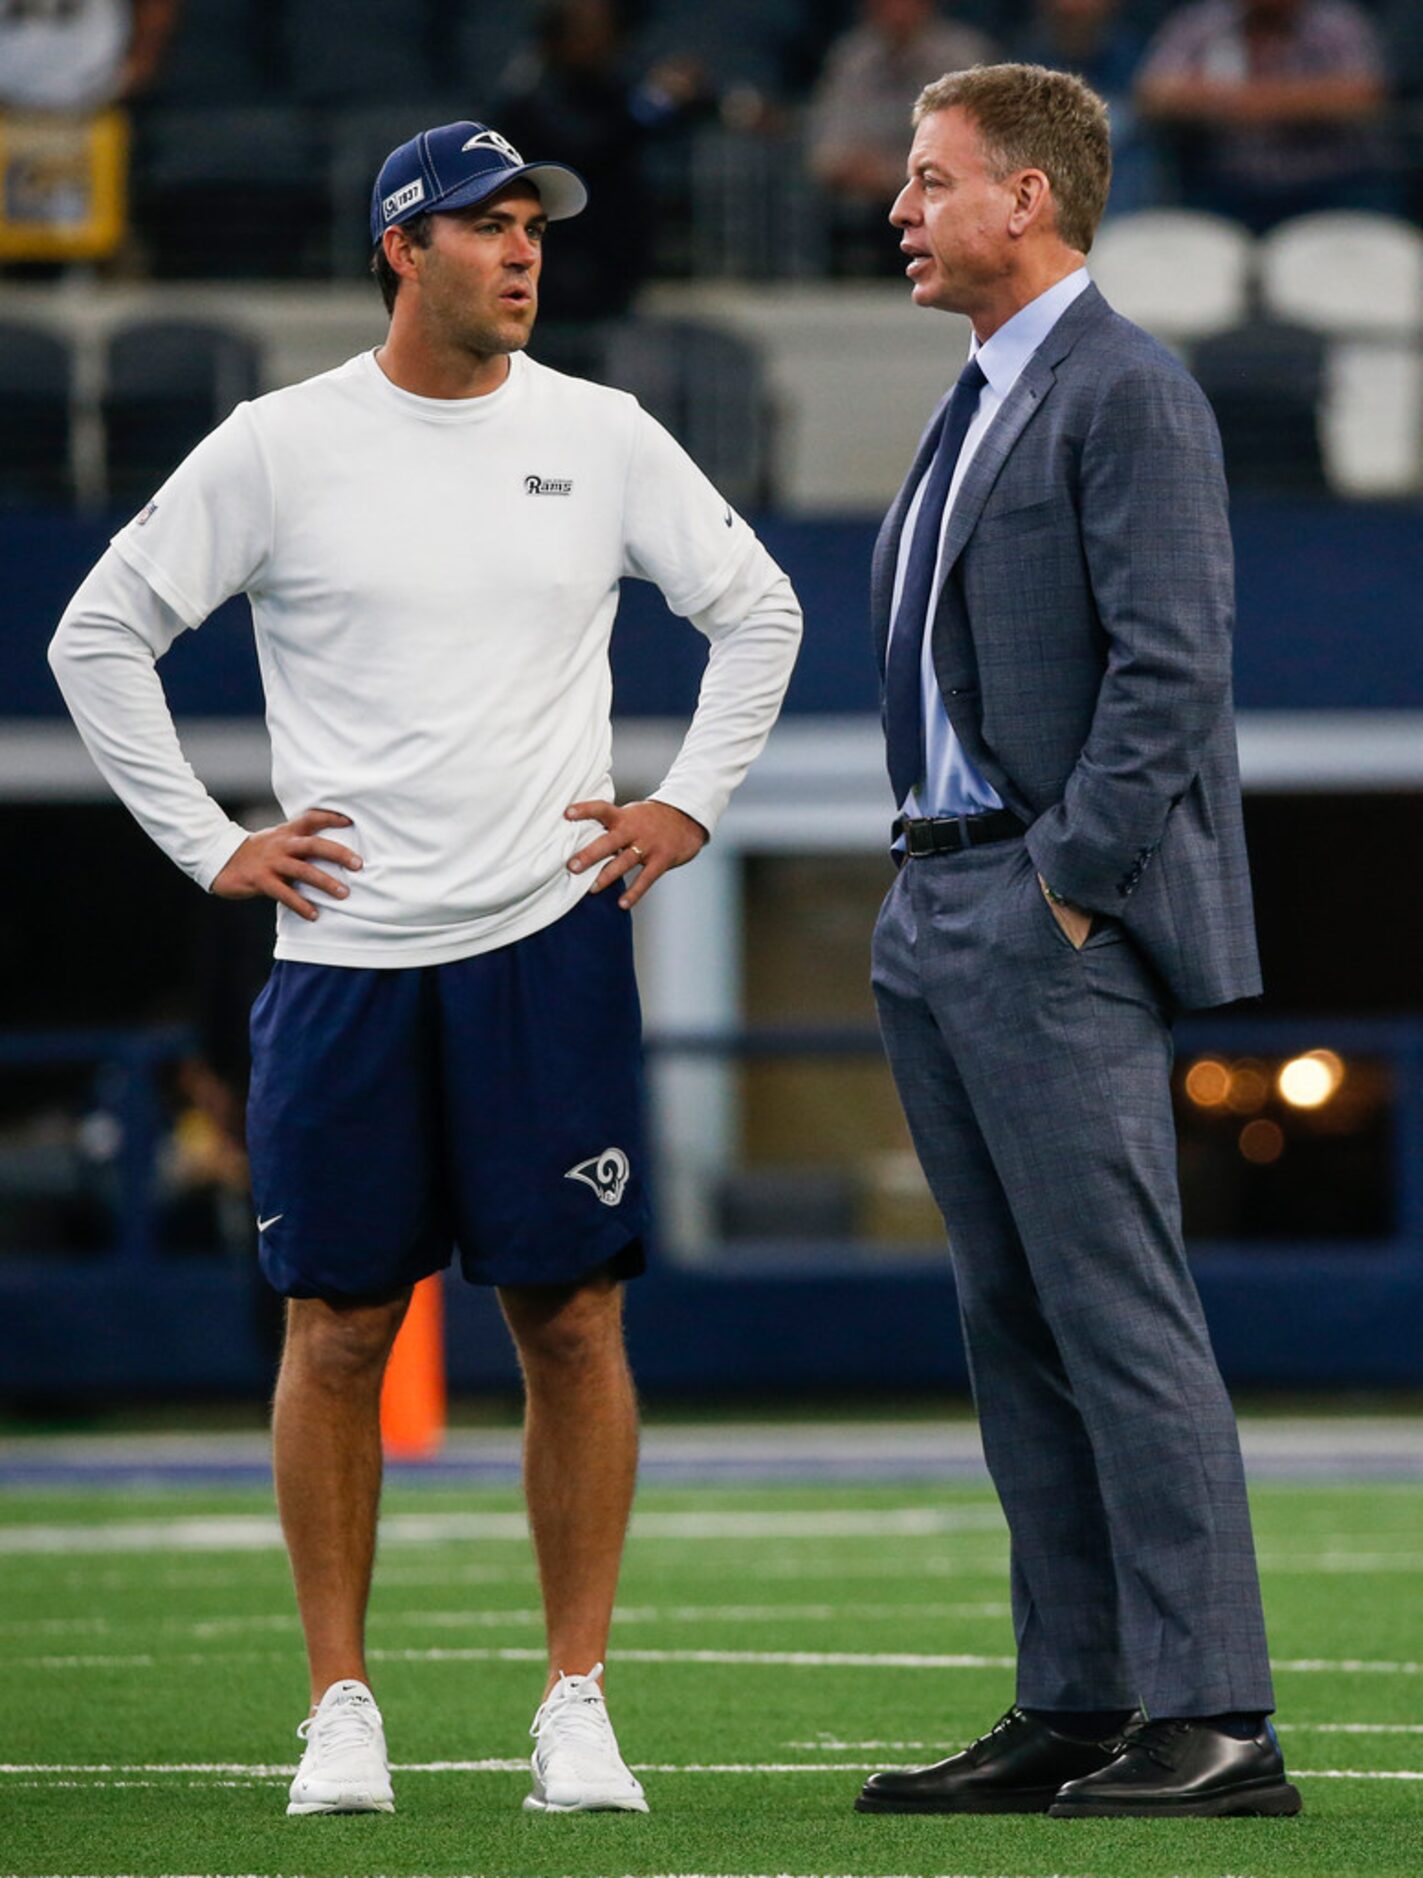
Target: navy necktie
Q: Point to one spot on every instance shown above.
(903, 690)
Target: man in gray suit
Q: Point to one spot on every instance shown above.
(1052, 603)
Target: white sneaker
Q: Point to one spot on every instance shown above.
(344, 1768)
(576, 1763)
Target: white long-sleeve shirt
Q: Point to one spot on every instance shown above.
(433, 584)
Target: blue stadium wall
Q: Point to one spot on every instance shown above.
(1329, 620)
(762, 1331)
(1329, 612)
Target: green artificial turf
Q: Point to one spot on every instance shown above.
(145, 1691)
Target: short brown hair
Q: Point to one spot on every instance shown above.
(1031, 118)
(419, 230)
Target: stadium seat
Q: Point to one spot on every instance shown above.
(367, 52)
(757, 213)
(167, 383)
(1344, 272)
(222, 52)
(232, 195)
(35, 376)
(1373, 418)
(1181, 274)
(706, 386)
(1266, 383)
(483, 44)
(1403, 36)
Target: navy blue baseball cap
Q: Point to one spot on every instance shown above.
(457, 165)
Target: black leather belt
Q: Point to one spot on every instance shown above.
(949, 834)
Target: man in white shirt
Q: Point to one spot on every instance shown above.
(431, 538)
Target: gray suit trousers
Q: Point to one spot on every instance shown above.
(1036, 1083)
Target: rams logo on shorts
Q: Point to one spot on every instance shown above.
(607, 1174)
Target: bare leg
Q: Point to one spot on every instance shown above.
(580, 1457)
(327, 1461)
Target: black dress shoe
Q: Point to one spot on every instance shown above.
(1178, 1769)
(1017, 1767)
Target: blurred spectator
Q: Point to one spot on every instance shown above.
(1275, 101)
(204, 1178)
(570, 93)
(64, 66)
(859, 117)
(78, 55)
(1091, 38)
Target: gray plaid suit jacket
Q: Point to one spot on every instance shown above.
(1082, 641)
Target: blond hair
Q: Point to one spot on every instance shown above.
(1030, 118)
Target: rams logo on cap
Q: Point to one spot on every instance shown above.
(402, 198)
(491, 140)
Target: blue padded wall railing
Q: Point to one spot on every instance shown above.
(129, 1319)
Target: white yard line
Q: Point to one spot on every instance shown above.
(526, 1617)
(1350, 1728)
(787, 1659)
(60, 1626)
(865, 1747)
(847, 1659)
(976, 1555)
(141, 1575)
(255, 1532)
(790, 1659)
(1350, 1773)
(101, 1773)
(980, 1528)
(1309, 1665)
(1295, 1564)
(95, 1662)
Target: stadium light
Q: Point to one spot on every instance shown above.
(1208, 1082)
(1249, 1087)
(1308, 1082)
(1262, 1142)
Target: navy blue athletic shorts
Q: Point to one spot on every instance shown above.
(491, 1106)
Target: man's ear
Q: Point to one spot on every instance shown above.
(399, 252)
(1032, 201)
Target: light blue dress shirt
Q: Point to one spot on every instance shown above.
(952, 785)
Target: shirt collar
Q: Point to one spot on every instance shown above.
(1003, 357)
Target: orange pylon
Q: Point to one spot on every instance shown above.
(412, 1403)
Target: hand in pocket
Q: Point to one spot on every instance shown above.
(1073, 921)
